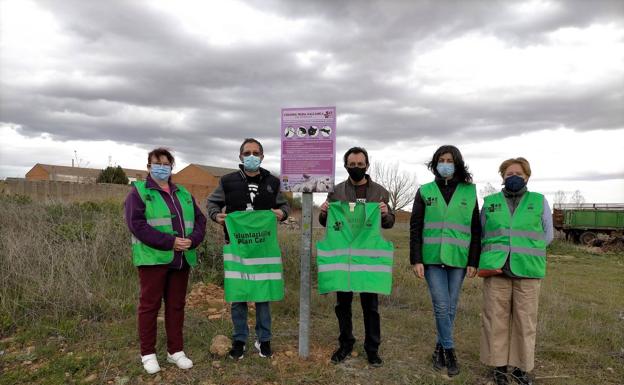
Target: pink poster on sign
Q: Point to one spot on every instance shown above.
(308, 149)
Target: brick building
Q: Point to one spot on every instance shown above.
(75, 174)
(200, 180)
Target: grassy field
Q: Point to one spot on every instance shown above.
(68, 295)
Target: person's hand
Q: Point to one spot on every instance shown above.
(181, 244)
(419, 270)
(221, 218)
(472, 272)
(384, 208)
(278, 213)
(324, 207)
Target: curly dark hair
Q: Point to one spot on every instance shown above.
(461, 170)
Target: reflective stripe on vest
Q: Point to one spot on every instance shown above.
(510, 249)
(519, 237)
(354, 256)
(447, 240)
(362, 252)
(348, 267)
(252, 261)
(447, 228)
(448, 225)
(154, 222)
(159, 217)
(252, 277)
(540, 236)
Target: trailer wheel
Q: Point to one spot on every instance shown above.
(576, 236)
(588, 237)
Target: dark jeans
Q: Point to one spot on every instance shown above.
(263, 321)
(372, 326)
(444, 286)
(160, 283)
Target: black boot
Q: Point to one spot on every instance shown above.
(341, 354)
(452, 367)
(374, 360)
(438, 358)
(521, 377)
(500, 375)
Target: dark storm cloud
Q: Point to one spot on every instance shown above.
(141, 60)
(584, 177)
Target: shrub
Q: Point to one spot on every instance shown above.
(112, 175)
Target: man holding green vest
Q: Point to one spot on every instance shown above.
(517, 227)
(358, 191)
(251, 273)
(166, 227)
(252, 259)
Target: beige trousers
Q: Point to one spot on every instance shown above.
(509, 321)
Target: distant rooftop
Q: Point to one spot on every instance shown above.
(216, 171)
(83, 171)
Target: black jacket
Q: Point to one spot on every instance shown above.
(417, 222)
(233, 194)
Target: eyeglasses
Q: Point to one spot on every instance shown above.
(254, 153)
(159, 164)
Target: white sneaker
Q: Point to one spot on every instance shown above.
(150, 363)
(180, 359)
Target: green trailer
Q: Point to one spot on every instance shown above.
(584, 222)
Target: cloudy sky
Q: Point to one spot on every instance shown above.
(499, 79)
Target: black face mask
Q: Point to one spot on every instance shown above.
(514, 183)
(356, 173)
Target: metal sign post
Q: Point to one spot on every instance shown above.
(308, 165)
(305, 285)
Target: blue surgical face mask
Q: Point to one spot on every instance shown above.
(446, 170)
(160, 172)
(514, 183)
(251, 162)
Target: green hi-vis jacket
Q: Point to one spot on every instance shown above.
(354, 256)
(519, 236)
(446, 232)
(252, 261)
(159, 217)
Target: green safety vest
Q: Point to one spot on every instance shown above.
(252, 261)
(520, 235)
(354, 256)
(159, 217)
(447, 232)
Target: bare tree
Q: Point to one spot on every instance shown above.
(577, 198)
(401, 185)
(560, 197)
(487, 189)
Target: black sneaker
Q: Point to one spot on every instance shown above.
(521, 377)
(374, 360)
(238, 350)
(341, 354)
(452, 367)
(438, 358)
(264, 349)
(500, 375)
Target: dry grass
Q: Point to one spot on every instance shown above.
(62, 260)
(68, 295)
